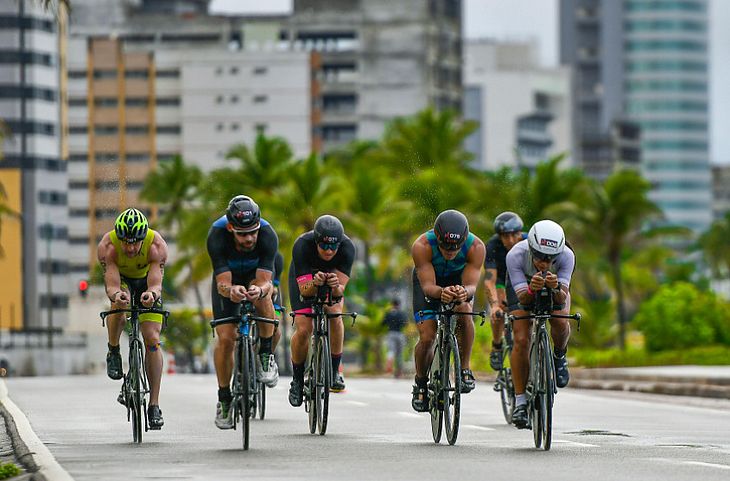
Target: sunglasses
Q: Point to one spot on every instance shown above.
(131, 241)
(328, 246)
(450, 247)
(244, 233)
(544, 257)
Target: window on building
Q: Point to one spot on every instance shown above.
(78, 212)
(57, 301)
(77, 74)
(77, 102)
(168, 129)
(136, 102)
(260, 70)
(167, 101)
(137, 129)
(78, 184)
(52, 197)
(105, 74)
(234, 99)
(260, 99)
(78, 158)
(234, 70)
(106, 130)
(170, 73)
(78, 129)
(139, 74)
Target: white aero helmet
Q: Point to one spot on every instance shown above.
(546, 239)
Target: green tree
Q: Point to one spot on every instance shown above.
(715, 244)
(185, 335)
(612, 217)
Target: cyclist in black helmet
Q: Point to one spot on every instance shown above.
(242, 247)
(507, 233)
(321, 256)
(448, 262)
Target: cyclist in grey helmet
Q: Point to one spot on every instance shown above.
(507, 233)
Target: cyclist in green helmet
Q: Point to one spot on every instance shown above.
(133, 258)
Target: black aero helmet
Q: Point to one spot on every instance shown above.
(328, 229)
(507, 222)
(451, 229)
(243, 213)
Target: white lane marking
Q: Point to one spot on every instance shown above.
(707, 465)
(357, 403)
(474, 426)
(409, 415)
(49, 467)
(574, 443)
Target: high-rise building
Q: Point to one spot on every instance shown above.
(644, 62)
(380, 60)
(34, 266)
(524, 111)
(720, 191)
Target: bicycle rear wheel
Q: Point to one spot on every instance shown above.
(506, 389)
(434, 401)
(261, 400)
(324, 382)
(451, 388)
(136, 392)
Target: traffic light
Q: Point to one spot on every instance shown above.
(83, 287)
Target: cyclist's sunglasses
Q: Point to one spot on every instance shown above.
(131, 241)
(449, 247)
(543, 257)
(243, 233)
(328, 246)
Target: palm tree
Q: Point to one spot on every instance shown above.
(175, 186)
(716, 247)
(612, 217)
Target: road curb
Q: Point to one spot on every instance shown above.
(28, 448)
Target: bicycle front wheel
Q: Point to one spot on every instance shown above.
(506, 389)
(434, 400)
(136, 391)
(324, 381)
(539, 401)
(549, 393)
(245, 397)
(261, 400)
(451, 388)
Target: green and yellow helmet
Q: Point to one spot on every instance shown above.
(131, 226)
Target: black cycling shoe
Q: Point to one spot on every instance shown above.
(420, 399)
(122, 399)
(296, 396)
(495, 359)
(338, 382)
(114, 365)
(468, 383)
(154, 417)
(519, 417)
(562, 376)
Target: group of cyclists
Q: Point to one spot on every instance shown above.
(243, 249)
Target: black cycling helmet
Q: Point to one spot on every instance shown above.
(451, 229)
(507, 222)
(328, 230)
(243, 213)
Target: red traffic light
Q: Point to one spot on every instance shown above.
(83, 285)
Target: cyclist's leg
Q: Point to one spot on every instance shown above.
(225, 342)
(465, 334)
(560, 328)
(265, 308)
(337, 334)
(115, 326)
(268, 370)
(153, 357)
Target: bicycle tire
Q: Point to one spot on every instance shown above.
(310, 390)
(261, 400)
(245, 399)
(451, 385)
(136, 393)
(538, 402)
(434, 387)
(549, 393)
(507, 393)
(323, 387)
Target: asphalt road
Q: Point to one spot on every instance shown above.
(374, 435)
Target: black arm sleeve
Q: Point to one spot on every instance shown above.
(299, 258)
(217, 250)
(346, 257)
(267, 244)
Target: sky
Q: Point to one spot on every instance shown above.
(506, 20)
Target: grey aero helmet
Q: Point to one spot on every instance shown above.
(546, 240)
(507, 222)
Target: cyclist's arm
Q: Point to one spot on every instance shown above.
(216, 245)
(565, 272)
(422, 254)
(517, 277)
(263, 281)
(268, 245)
(157, 258)
(107, 256)
(473, 269)
(343, 279)
(302, 269)
(490, 287)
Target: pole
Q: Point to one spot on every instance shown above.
(49, 285)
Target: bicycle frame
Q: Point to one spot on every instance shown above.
(319, 369)
(443, 397)
(135, 386)
(245, 384)
(540, 387)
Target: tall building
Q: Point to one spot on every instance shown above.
(34, 266)
(380, 60)
(644, 62)
(524, 111)
(720, 191)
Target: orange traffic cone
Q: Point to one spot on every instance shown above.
(170, 363)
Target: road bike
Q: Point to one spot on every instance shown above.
(541, 388)
(259, 401)
(245, 386)
(318, 374)
(135, 386)
(444, 377)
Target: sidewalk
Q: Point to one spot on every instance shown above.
(699, 381)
